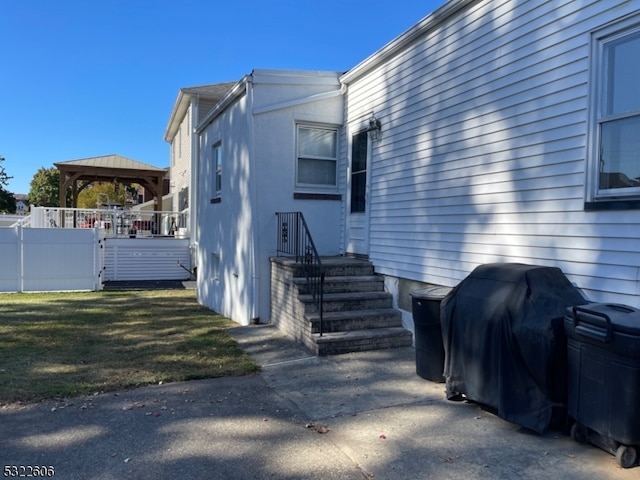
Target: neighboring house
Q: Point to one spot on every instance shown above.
(22, 203)
(510, 133)
(191, 106)
(271, 144)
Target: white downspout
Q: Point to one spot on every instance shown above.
(195, 175)
(255, 210)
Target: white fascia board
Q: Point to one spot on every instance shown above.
(177, 115)
(296, 77)
(444, 12)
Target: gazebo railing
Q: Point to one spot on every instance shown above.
(113, 222)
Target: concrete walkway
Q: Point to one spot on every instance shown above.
(355, 416)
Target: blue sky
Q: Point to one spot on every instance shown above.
(82, 78)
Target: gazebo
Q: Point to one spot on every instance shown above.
(109, 168)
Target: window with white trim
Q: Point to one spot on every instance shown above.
(616, 133)
(217, 159)
(317, 156)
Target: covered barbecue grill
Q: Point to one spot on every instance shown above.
(504, 341)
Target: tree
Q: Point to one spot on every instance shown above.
(7, 200)
(100, 195)
(45, 188)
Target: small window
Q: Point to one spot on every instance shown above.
(217, 158)
(215, 266)
(317, 157)
(616, 134)
(183, 199)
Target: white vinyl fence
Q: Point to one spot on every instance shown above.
(40, 260)
(72, 259)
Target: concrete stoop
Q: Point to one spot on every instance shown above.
(358, 313)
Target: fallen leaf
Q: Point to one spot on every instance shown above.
(383, 436)
(322, 429)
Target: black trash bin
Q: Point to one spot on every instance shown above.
(603, 346)
(428, 332)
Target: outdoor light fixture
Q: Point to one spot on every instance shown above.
(375, 129)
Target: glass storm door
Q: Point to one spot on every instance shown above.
(358, 206)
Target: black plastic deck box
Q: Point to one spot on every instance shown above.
(428, 332)
(603, 366)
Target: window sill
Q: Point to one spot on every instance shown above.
(600, 205)
(317, 196)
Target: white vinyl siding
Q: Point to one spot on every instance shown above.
(181, 166)
(482, 157)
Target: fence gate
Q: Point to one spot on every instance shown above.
(146, 259)
(42, 260)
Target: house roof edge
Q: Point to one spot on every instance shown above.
(450, 8)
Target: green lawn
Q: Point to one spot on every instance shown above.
(58, 345)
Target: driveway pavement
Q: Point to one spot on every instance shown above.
(355, 416)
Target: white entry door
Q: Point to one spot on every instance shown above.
(358, 196)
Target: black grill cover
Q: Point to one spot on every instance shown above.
(504, 341)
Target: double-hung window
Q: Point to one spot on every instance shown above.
(616, 145)
(317, 156)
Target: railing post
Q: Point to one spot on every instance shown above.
(321, 301)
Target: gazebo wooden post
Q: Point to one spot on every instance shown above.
(74, 202)
(63, 198)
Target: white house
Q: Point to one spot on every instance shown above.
(507, 132)
(271, 144)
(190, 107)
(21, 203)
(510, 133)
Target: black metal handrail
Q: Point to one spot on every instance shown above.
(294, 239)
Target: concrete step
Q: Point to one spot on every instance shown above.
(355, 320)
(333, 266)
(347, 268)
(335, 302)
(358, 312)
(345, 284)
(362, 340)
